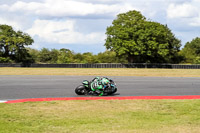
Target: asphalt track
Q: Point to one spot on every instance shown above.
(22, 87)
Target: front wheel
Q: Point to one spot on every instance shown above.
(113, 91)
(80, 90)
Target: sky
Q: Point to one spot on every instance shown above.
(80, 25)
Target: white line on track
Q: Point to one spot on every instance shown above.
(2, 101)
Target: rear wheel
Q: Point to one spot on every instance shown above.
(80, 90)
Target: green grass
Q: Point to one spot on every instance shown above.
(102, 116)
(102, 72)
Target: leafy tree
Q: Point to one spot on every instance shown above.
(78, 58)
(197, 60)
(65, 56)
(191, 51)
(34, 53)
(132, 36)
(44, 55)
(109, 57)
(89, 58)
(54, 53)
(5, 60)
(12, 44)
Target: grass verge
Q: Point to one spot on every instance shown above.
(102, 116)
(102, 72)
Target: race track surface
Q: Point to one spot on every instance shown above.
(21, 87)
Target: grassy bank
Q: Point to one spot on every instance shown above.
(102, 72)
(120, 116)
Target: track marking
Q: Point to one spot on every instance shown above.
(3, 101)
(106, 98)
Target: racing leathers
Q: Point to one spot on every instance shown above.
(99, 84)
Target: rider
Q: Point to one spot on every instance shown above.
(99, 84)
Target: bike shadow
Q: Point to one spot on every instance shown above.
(116, 94)
(94, 95)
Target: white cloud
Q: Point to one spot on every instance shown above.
(63, 8)
(14, 24)
(63, 32)
(186, 10)
(187, 14)
(73, 22)
(195, 22)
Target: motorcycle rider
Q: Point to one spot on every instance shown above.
(99, 84)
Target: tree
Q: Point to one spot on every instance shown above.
(109, 57)
(78, 58)
(34, 53)
(44, 55)
(191, 51)
(89, 58)
(54, 53)
(12, 44)
(5, 60)
(132, 36)
(65, 56)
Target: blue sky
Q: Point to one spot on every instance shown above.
(80, 25)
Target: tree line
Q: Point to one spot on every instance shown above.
(130, 39)
(189, 54)
(63, 55)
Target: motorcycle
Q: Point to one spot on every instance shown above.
(85, 88)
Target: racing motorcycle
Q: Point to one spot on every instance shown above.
(85, 88)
